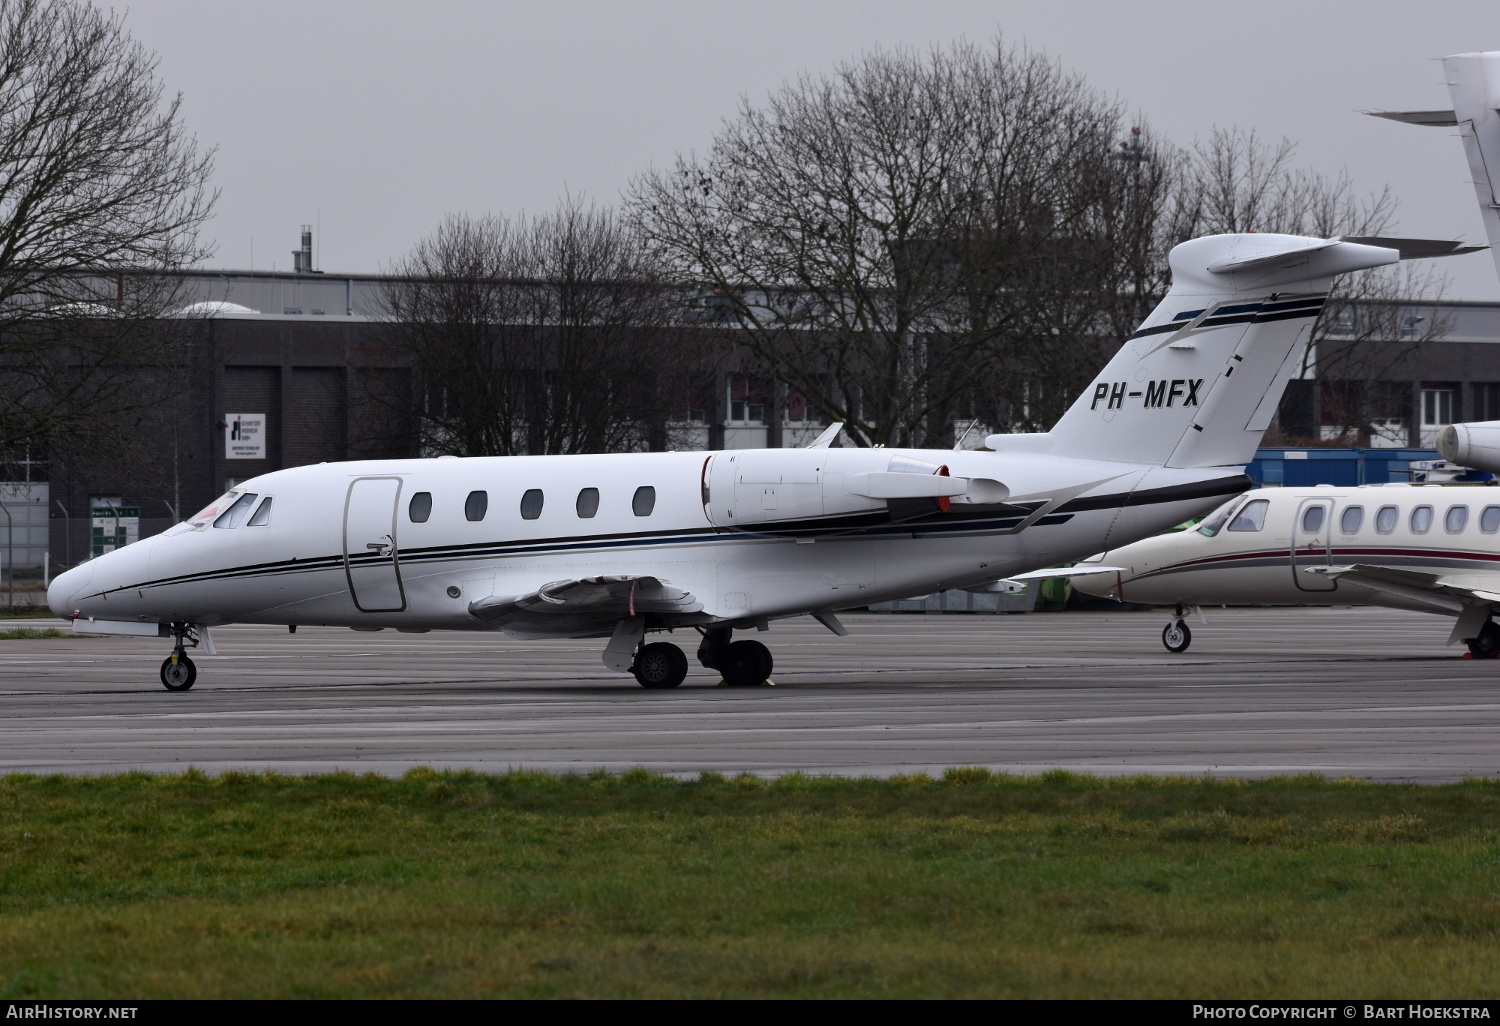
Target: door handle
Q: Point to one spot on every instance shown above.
(383, 547)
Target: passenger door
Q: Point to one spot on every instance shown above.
(371, 559)
(1312, 544)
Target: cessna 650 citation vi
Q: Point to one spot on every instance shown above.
(618, 546)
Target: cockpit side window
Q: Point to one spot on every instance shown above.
(262, 516)
(1252, 517)
(231, 517)
(1215, 521)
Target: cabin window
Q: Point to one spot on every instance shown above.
(1489, 519)
(588, 502)
(1421, 519)
(1352, 519)
(231, 517)
(644, 501)
(1385, 519)
(1215, 521)
(1456, 519)
(420, 507)
(476, 505)
(531, 504)
(262, 515)
(1252, 517)
(1312, 519)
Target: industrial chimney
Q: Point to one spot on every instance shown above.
(302, 258)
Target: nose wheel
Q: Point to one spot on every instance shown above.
(178, 672)
(1176, 636)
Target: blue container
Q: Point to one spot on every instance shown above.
(1342, 467)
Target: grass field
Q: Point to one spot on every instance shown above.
(637, 885)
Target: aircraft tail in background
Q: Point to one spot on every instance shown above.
(1474, 87)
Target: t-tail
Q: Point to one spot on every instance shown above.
(1198, 383)
(1474, 87)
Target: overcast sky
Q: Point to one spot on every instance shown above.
(374, 119)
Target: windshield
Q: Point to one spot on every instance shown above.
(1215, 521)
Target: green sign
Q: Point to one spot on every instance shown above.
(115, 527)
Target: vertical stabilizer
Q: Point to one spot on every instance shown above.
(1474, 85)
(1198, 383)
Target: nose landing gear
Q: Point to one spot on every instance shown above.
(1175, 636)
(178, 672)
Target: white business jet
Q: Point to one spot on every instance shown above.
(622, 546)
(1428, 548)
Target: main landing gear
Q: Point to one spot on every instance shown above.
(744, 664)
(1487, 644)
(661, 664)
(1175, 635)
(178, 672)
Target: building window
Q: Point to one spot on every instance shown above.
(1437, 407)
(420, 507)
(747, 399)
(588, 502)
(476, 505)
(531, 504)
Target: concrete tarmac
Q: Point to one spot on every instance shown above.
(1344, 692)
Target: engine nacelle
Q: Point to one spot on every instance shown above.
(1474, 445)
(822, 491)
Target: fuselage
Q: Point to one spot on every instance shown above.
(1257, 548)
(410, 544)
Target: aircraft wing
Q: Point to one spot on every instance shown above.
(1436, 590)
(588, 606)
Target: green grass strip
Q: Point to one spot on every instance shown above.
(530, 885)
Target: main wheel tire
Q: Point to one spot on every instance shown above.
(1176, 636)
(178, 675)
(746, 664)
(660, 665)
(1488, 643)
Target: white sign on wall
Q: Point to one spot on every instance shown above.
(245, 436)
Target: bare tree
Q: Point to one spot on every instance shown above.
(911, 234)
(102, 192)
(549, 334)
(1234, 181)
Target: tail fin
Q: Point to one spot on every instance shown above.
(1474, 86)
(1197, 385)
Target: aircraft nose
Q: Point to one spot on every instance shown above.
(66, 585)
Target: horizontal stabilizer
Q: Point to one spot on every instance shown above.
(1266, 257)
(1430, 118)
(1415, 249)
